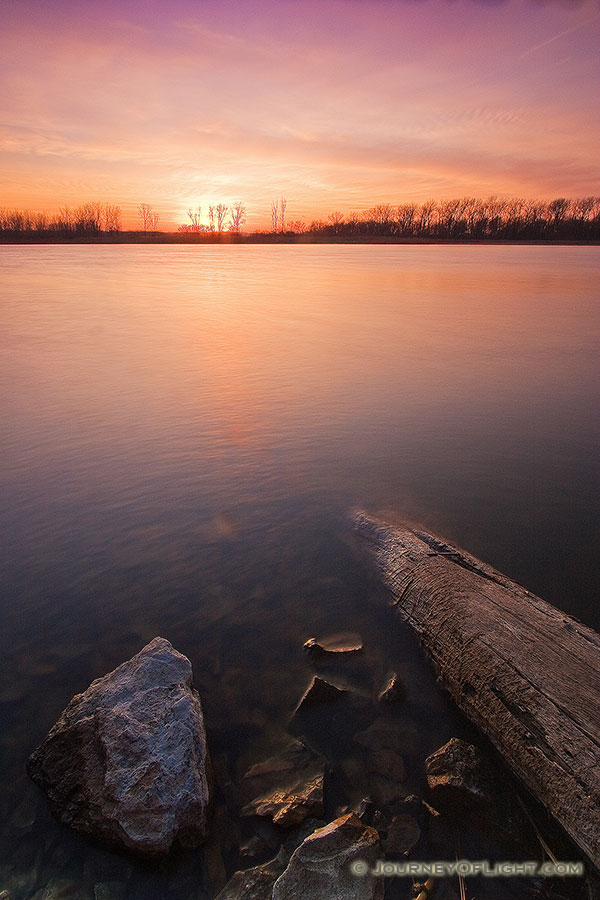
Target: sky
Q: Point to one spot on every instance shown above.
(335, 105)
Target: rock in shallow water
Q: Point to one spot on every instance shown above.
(393, 690)
(465, 784)
(287, 788)
(321, 867)
(336, 645)
(127, 761)
(318, 691)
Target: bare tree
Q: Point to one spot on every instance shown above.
(221, 214)
(426, 214)
(297, 226)
(274, 216)
(336, 220)
(88, 217)
(282, 207)
(211, 218)
(237, 216)
(194, 217)
(278, 208)
(558, 209)
(65, 220)
(405, 218)
(146, 213)
(382, 216)
(112, 217)
(39, 221)
(154, 220)
(585, 208)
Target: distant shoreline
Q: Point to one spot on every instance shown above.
(166, 237)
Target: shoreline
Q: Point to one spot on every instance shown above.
(137, 237)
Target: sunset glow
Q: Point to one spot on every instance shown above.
(335, 106)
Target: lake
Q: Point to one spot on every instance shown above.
(186, 430)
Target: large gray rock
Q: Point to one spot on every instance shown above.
(321, 867)
(127, 761)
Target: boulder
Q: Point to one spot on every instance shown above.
(287, 788)
(127, 761)
(321, 867)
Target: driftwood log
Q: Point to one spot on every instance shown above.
(525, 673)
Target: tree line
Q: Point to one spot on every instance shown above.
(467, 218)
(86, 219)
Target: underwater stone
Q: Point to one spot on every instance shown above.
(287, 788)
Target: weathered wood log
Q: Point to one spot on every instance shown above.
(525, 673)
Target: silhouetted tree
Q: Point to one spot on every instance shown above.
(464, 218)
(336, 220)
(221, 214)
(146, 214)
(237, 217)
(405, 218)
(278, 208)
(274, 216)
(380, 218)
(298, 226)
(112, 217)
(282, 208)
(194, 217)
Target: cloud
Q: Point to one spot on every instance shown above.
(434, 97)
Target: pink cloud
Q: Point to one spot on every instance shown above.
(334, 105)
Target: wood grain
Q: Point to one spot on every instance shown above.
(525, 673)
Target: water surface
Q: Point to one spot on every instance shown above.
(186, 429)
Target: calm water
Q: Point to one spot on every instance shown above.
(185, 431)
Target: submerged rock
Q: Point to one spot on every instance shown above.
(109, 890)
(403, 833)
(256, 883)
(389, 734)
(127, 761)
(463, 783)
(287, 788)
(319, 691)
(254, 849)
(321, 866)
(382, 743)
(393, 690)
(342, 644)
